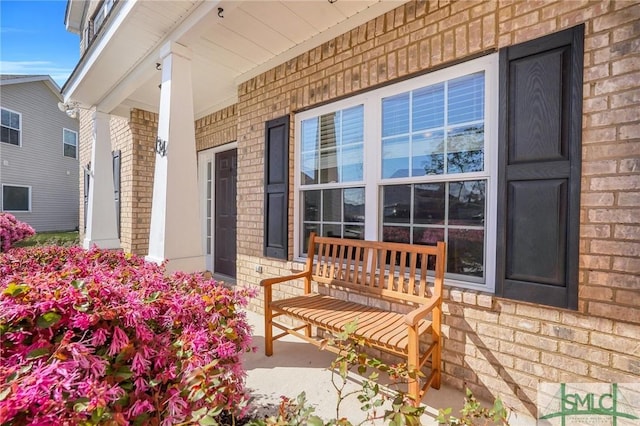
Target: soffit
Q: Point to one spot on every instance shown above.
(248, 38)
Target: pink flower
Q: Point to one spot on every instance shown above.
(176, 408)
(99, 337)
(81, 326)
(81, 321)
(119, 340)
(12, 230)
(139, 407)
(226, 350)
(140, 364)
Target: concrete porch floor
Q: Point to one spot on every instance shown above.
(298, 366)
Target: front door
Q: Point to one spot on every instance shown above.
(224, 253)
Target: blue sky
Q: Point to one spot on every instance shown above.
(33, 39)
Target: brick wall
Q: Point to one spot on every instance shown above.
(493, 345)
(144, 129)
(217, 129)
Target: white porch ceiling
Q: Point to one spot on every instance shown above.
(250, 38)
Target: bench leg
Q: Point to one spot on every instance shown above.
(268, 323)
(436, 355)
(413, 362)
(435, 365)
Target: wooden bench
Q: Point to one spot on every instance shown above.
(389, 271)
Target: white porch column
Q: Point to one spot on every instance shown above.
(176, 232)
(102, 227)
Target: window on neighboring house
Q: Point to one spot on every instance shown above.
(11, 125)
(70, 143)
(16, 198)
(411, 162)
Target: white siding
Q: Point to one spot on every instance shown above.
(40, 162)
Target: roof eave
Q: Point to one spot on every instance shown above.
(52, 85)
(73, 15)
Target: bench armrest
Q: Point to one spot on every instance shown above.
(267, 282)
(413, 317)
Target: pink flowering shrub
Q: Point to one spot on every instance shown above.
(12, 230)
(103, 337)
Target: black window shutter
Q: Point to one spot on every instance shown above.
(116, 185)
(276, 187)
(87, 182)
(539, 169)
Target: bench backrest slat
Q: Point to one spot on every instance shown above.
(400, 271)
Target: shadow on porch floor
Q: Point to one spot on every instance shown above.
(297, 366)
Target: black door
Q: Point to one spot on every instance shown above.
(225, 217)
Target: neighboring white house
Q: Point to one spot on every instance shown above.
(38, 154)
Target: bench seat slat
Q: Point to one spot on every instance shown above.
(317, 309)
(378, 327)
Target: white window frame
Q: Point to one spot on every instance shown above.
(19, 130)
(17, 186)
(372, 180)
(64, 143)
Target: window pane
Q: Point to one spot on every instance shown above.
(465, 149)
(329, 166)
(428, 107)
(428, 236)
(332, 205)
(395, 115)
(69, 151)
(465, 251)
(15, 121)
(306, 231)
(466, 99)
(69, 137)
(4, 134)
(333, 208)
(396, 234)
(354, 232)
(15, 198)
(329, 128)
(353, 125)
(467, 203)
(311, 203)
(354, 205)
(6, 118)
(14, 137)
(310, 134)
(352, 164)
(395, 157)
(428, 153)
(396, 200)
(429, 203)
(309, 168)
(332, 231)
(332, 147)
